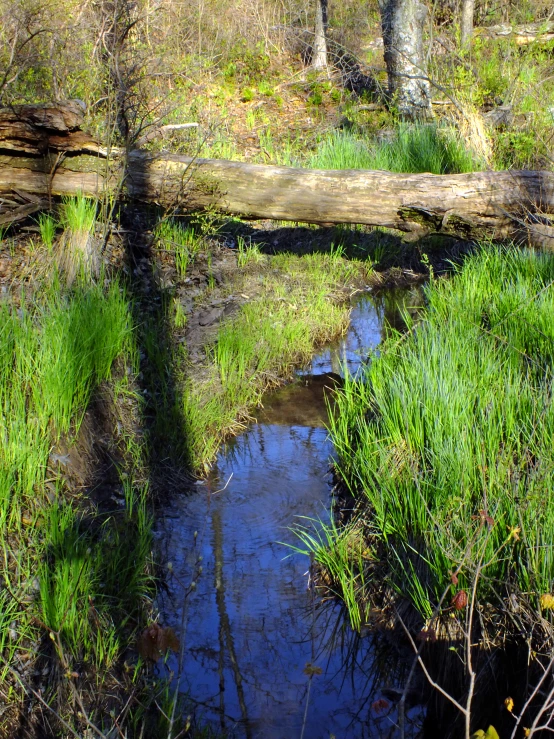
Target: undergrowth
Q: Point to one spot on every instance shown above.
(446, 441)
(82, 584)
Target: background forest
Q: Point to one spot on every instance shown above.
(237, 68)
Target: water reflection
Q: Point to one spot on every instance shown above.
(373, 319)
(262, 656)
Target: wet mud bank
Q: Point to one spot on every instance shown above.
(262, 655)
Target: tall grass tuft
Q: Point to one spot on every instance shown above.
(414, 148)
(76, 248)
(47, 227)
(447, 439)
(53, 354)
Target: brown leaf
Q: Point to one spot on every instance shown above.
(459, 601)
(155, 640)
(485, 517)
(380, 705)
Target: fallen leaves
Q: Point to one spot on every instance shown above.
(459, 601)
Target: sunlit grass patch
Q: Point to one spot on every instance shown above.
(448, 438)
(82, 582)
(412, 148)
(297, 310)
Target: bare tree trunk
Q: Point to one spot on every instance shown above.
(44, 153)
(409, 88)
(468, 9)
(319, 57)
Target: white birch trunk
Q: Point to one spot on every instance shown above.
(468, 9)
(409, 88)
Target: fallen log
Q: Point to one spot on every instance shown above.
(541, 32)
(494, 204)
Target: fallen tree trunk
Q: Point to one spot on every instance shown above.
(522, 35)
(496, 204)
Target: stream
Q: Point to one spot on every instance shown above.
(261, 655)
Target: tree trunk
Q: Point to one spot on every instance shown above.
(44, 154)
(319, 56)
(409, 88)
(468, 9)
(495, 204)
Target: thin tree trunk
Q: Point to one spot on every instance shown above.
(468, 9)
(409, 88)
(319, 57)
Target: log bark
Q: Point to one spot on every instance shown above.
(495, 204)
(522, 35)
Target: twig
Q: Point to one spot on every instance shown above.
(532, 696)
(38, 696)
(430, 680)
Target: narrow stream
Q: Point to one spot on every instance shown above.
(262, 656)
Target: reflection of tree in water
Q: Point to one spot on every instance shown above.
(375, 664)
(394, 305)
(226, 641)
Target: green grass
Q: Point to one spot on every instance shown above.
(447, 440)
(182, 241)
(76, 251)
(248, 252)
(414, 148)
(266, 340)
(79, 213)
(47, 227)
(54, 352)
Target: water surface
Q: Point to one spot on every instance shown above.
(262, 657)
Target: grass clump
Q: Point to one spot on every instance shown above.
(47, 227)
(263, 342)
(248, 252)
(414, 148)
(447, 443)
(82, 582)
(182, 241)
(76, 248)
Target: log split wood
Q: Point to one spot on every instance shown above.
(495, 204)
